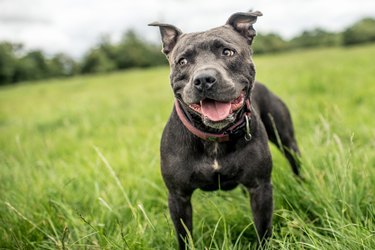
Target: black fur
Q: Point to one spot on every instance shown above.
(188, 162)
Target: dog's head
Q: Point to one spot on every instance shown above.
(212, 71)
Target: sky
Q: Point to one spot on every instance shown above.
(74, 26)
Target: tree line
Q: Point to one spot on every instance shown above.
(17, 64)
(360, 32)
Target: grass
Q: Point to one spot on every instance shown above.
(79, 161)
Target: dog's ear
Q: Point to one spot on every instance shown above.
(243, 22)
(169, 35)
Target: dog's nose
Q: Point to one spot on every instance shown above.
(205, 80)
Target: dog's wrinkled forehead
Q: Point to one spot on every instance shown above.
(220, 37)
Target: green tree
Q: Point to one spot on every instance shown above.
(361, 32)
(62, 65)
(96, 61)
(316, 38)
(134, 52)
(26, 70)
(266, 43)
(40, 64)
(108, 48)
(7, 62)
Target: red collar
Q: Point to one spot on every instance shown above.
(240, 128)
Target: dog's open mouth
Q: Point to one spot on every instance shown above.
(216, 110)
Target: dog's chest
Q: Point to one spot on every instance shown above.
(215, 171)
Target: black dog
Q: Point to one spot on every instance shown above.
(216, 136)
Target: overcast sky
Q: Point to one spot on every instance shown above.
(73, 26)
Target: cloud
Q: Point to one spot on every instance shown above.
(20, 19)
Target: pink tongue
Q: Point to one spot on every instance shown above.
(214, 110)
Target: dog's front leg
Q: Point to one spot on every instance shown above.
(262, 207)
(181, 214)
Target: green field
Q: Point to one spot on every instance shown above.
(79, 161)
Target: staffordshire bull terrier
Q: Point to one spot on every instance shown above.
(217, 134)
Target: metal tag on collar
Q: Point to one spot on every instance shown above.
(248, 135)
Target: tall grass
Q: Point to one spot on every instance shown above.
(79, 161)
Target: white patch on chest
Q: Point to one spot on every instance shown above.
(215, 165)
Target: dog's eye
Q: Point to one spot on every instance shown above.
(228, 52)
(182, 61)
